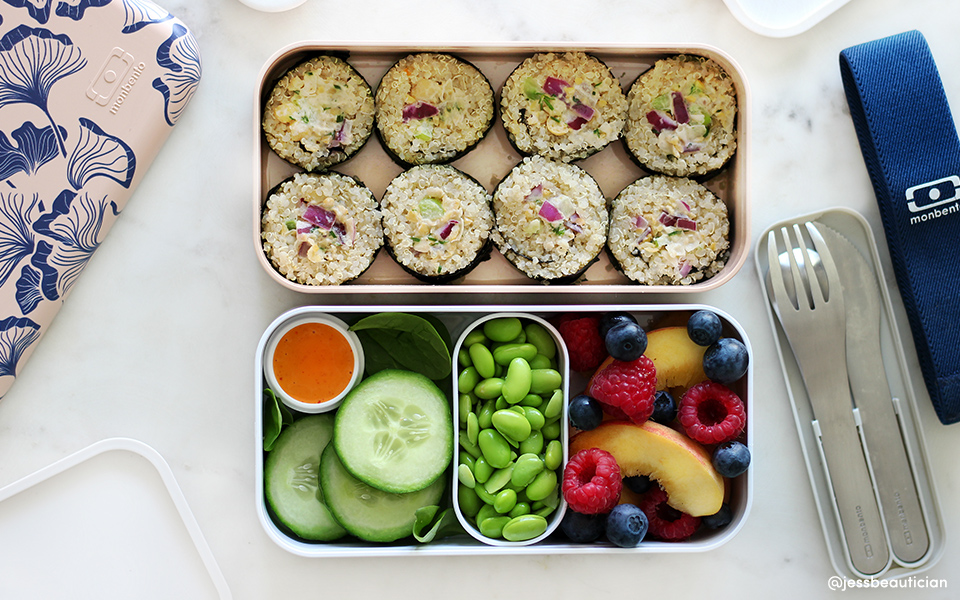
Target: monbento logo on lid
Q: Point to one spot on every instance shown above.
(115, 79)
(927, 199)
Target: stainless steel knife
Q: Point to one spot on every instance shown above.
(896, 487)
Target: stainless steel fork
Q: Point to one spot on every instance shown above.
(813, 319)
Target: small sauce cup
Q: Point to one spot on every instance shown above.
(312, 360)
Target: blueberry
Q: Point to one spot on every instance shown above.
(626, 341)
(626, 525)
(726, 360)
(638, 484)
(664, 408)
(704, 327)
(719, 519)
(610, 319)
(582, 528)
(585, 412)
(731, 459)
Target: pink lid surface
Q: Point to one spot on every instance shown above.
(89, 91)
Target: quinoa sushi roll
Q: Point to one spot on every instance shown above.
(432, 108)
(564, 106)
(319, 114)
(668, 231)
(437, 222)
(682, 117)
(550, 219)
(321, 229)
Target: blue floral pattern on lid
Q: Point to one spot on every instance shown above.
(48, 237)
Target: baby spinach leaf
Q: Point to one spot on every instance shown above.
(429, 525)
(403, 341)
(275, 416)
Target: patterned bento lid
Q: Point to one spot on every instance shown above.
(89, 91)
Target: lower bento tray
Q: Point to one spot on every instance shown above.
(457, 320)
(493, 158)
(117, 497)
(855, 228)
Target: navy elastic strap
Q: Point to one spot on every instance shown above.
(912, 154)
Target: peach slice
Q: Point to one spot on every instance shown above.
(679, 361)
(681, 465)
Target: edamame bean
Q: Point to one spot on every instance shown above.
(463, 357)
(524, 527)
(482, 470)
(483, 494)
(542, 380)
(482, 360)
(553, 456)
(503, 329)
(488, 389)
(464, 407)
(531, 400)
(541, 338)
(470, 503)
(541, 486)
(525, 469)
(512, 425)
(487, 512)
(466, 459)
(474, 337)
(534, 417)
(485, 414)
(467, 380)
(494, 448)
(505, 501)
(533, 444)
(516, 385)
(507, 352)
(551, 431)
(540, 362)
(465, 475)
(492, 527)
(554, 405)
(499, 479)
(471, 449)
(520, 508)
(473, 428)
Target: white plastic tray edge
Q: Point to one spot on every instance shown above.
(862, 236)
(442, 548)
(808, 19)
(166, 475)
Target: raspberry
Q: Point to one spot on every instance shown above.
(666, 523)
(591, 482)
(581, 334)
(711, 413)
(627, 388)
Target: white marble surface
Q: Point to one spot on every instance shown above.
(157, 340)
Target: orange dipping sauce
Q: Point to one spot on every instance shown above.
(313, 363)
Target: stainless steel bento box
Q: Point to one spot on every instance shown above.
(457, 319)
(491, 160)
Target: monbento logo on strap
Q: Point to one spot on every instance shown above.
(934, 199)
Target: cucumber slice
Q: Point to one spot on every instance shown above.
(394, 431)
(291, 479)
(368, 513)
